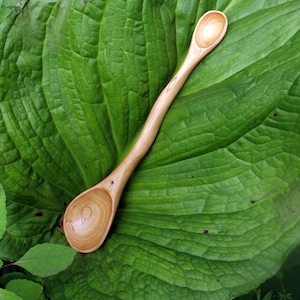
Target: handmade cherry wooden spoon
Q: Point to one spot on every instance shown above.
(89, 216)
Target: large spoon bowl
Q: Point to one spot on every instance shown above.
(89, 216)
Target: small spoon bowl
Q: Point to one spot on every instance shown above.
(86, 219)
(89, 216)
(209, 32)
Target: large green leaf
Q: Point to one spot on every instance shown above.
(213, 209)
(2, 212)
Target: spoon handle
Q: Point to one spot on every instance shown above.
(158, 112)
(152, 125)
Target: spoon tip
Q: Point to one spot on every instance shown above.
(210, 29)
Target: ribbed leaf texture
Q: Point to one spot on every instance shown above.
(213, 210)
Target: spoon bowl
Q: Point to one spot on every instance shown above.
(87, 219)
(89, 216)
(209, 32)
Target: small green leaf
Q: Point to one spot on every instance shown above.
(26, 289)
(46, 259)
(2, 211)
(7, 295)
(268, 296)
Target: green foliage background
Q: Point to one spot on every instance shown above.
(213, 209)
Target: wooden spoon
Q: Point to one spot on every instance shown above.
(89, 216)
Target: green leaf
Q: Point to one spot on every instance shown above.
(2, 211)
(46, 259)
(7, 295)
(34, 203)
(26, 289)
(12, 275)
(213, 209)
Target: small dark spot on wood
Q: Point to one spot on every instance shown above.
(205, 231)
(39, 214)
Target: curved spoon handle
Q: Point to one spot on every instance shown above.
(208, 33)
